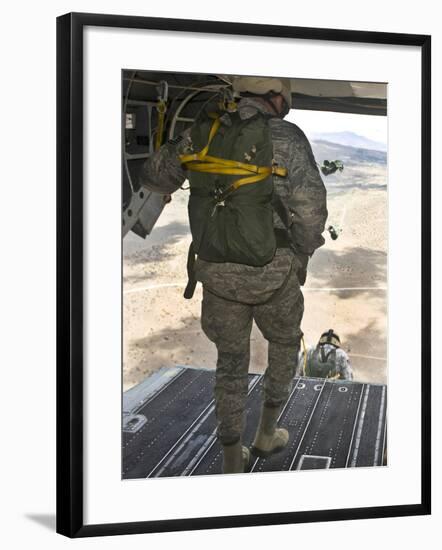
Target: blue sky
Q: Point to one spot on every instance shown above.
(317, 122)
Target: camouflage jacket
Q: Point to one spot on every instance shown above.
(302, 192)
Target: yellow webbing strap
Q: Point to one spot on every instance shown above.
(202, 162)
(161, 108)
(305, 353)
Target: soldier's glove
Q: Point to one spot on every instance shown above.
(301, 272)
(162, 171)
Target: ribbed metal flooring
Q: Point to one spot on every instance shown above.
(169, 425)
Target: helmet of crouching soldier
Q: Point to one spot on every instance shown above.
(330, 337)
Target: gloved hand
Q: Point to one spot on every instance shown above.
(162, 172)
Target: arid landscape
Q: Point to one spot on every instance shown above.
(346, 287)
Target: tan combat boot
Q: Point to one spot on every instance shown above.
(269, 439)
(236, 458)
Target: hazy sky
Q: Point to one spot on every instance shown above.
(315, 122)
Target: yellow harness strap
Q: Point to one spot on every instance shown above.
(202, 162)
(305, 355)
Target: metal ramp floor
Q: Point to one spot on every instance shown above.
(169, 425)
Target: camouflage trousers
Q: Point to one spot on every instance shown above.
(234, 296)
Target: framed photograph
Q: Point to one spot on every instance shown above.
(243, 274)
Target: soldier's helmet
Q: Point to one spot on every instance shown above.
(330, 337)
(262, 85)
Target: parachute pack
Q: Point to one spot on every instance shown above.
(231, 188)
(320, 364)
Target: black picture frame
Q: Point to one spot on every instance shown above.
(70, 273)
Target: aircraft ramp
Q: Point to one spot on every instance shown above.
(169, 425)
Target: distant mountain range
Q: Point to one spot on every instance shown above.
(350, 139)
(349, 155)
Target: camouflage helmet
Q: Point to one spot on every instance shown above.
(261, 85)
(330, 337)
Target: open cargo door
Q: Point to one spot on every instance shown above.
(159, 106)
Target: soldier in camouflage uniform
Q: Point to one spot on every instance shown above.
(326, 360)
(236, 294)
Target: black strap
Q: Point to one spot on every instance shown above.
(281, 210)
(325, 356)
(284, 216)
(191, 283)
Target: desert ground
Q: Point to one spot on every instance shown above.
(346, 287)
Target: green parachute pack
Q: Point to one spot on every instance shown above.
(320, 364)
(231, 188)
